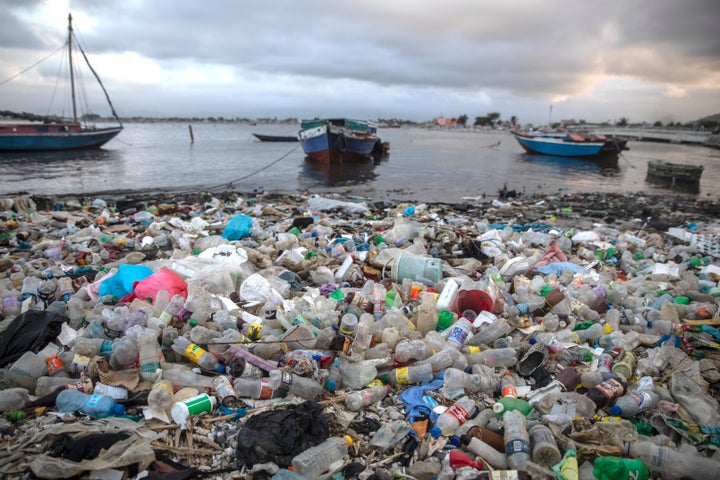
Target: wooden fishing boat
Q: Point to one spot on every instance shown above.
(562, 144)
(336, 140)
(673, 173)
(39, 133)
(275, 138)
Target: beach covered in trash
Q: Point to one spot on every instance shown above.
(305, 336)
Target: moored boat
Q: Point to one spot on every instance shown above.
(335, 140)
(569, 144)
(275, 138)
(53, 133)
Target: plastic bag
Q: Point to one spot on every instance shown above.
(238, 227)
(123, 281)
(278, 435)
(163, 279)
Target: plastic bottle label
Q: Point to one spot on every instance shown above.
(54, 364)
(402, 376)
(610, 388)
(265, 391)
(366, 396)
(194, 352)
(460, 414)
(473, 349)
(165, 317)
(93, 400)
(198, 404)
(458, 335)
(517, 446)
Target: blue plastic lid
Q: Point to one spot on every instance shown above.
(455, 441)
(435, 432)
(615, 411)
(331, 385)
(119, 409)
(220, 369)
(533, 341)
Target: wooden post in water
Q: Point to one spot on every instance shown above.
(192, 138)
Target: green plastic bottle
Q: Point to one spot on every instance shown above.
(505, 404)
(614, 468)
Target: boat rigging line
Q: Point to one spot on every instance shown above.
(229, 184)
(33, 65)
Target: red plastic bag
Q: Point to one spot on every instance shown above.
(163, 279)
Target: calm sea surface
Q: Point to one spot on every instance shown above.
(422, 165)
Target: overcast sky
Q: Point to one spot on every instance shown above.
(644, 60)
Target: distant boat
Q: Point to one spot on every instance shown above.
(569, 144)
(275, 138)
(40, 133)
(335, 140)
(673, 173)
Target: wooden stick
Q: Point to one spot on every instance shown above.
(181, 450)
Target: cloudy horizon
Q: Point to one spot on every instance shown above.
(646, 60)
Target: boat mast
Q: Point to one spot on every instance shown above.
(72, 74)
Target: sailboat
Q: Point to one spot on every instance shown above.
(40, 133)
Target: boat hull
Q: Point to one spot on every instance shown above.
(23, 138)
(275, 138)
(559, 147)
(330, 144)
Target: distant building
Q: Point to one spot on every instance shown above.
(446, 122)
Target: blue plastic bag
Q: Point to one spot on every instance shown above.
(123, 282)
(238, 227)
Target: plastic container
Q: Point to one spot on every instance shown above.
(408, 350)
(545, 451)
(625, 365)
(614, 468)
(257, 388)
(427, 315)
(316, 460)
(363, 398)
(628, 406)
(459, 333)
(118, 393)
(494, 357)
(457, 414)
(416, 268)
(357, 375)
(485, 451)
(671, 463)
(459, 380)
(410, 375)
(291, 384)
(182, 411)
(93, 405)
(517, 441)
(195, 354)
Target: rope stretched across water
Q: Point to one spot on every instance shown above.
(229, 184)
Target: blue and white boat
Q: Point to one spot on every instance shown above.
(569, 144)
(38, 133)
(335, 140)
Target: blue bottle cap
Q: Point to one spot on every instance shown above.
(435, 432)
(119, 409)
(615, 411)
(220, 369)
(455, 441)
(331, 385)
(533, 341)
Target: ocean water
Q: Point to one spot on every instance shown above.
(422, 165)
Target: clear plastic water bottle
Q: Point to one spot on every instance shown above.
(457, 414)
(628, 406)
(150, 356)
(671, 463)
(93, 405)
(366, 397)
(13, 399)
(257, 388)
(412, 374)
(292, 384)
(407, 350)
(161, 395)
(490, 333)
(312, 462)
(195, 354)
(124, 354)
(456, 379)
(545, 451)
(517, 440)
(172, 309)
(493, 357)
(459, 332)
(357, 375)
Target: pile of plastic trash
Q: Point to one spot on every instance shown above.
(316, 337)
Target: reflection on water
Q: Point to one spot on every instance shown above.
(316, 173)
(604, 165)
(679, 186)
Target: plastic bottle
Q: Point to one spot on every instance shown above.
(182, 375)
(256, 360)
(457, 414)
(312, 462)
(506, 404)
(507, 386)
(595, 377)
(117, 393)
(408, 350)
(257, 388)
(486, 452)
(357, 375)
(172, 309)
(629, 405)
(427, 316)
(29, 288)
(195, 354)
(459, 332)
(348, 323)
(93, 405)
(604, 393)
(568, 356)
(366, 397)
(124, 354)
(161, 395)
(182, 411)
(456, 380)
(545, 451)
(625, 365)
(493, 357)
(13, 399)
(363, 337)
(409, 375)
(292, 384)
(615, 468)
(671, 463)
(490, 333)
(517, 441)
(379, 293)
